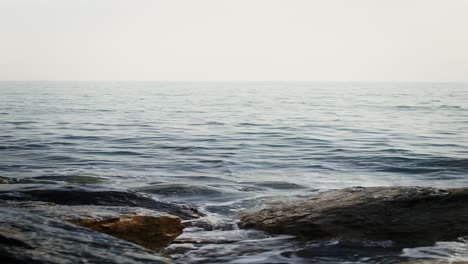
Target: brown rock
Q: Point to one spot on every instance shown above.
(148, 231)
(145, 227)
(27, 238)
(409, 216)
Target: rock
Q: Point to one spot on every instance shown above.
(408, 216)
(432, 261)
(147, 228)
(91, 195)
(69, 213)
(30, 238)
(148, 231)
(125, 215)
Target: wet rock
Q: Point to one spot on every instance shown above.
(70, 213)
(432, 261)
(147, 228)
(410, 216)
(91, 195)
(130, 216)
(30, 238)
(148, 231)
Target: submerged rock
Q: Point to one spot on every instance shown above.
(410, 216)
(30, 238)
(91, 195)
(178, 189)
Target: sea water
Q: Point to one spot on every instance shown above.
(228, 146)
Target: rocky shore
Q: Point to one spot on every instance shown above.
(70, 223)
(49, 223)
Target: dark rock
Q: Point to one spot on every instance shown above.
(91, 195)
(69, 213)
(147, 228)
(432, 261)
(409, 216)
(30, 238)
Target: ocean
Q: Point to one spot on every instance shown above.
(225, 147)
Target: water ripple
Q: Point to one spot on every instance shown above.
(231, 146)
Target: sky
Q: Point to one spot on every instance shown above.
(234, 40)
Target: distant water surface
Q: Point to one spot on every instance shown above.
(229, 146)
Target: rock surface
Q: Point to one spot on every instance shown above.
(432, 261)
(148, 231)
(43, 210)
(30, 238)
(408, 216)
(89, 195)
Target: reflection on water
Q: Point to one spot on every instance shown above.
(226, 147)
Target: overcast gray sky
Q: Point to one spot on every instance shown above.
(288, 40)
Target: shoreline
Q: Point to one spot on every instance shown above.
(354, 216)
